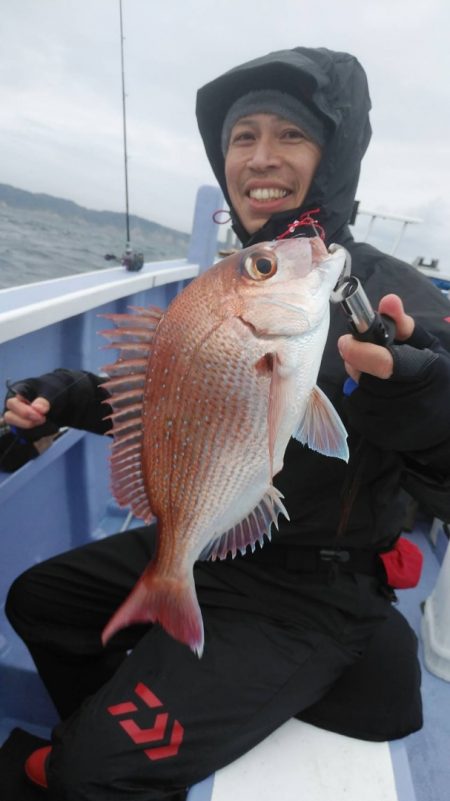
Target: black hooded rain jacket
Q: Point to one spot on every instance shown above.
(398, 429)
(394, 426)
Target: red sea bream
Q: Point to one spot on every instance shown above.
(205, 397)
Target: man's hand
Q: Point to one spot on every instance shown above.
(23, 414)
(365, 357)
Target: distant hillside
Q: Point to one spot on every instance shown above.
(18, 198)
(44, 237)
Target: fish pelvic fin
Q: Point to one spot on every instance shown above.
(171, 602)
(133, 337)
(321, 427)
(249, 531)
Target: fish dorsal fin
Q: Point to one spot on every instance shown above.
(321, 427)
(250, 530)
(133, 337)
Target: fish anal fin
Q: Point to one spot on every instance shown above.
(249, 531)
(321, 427)
(171, 602)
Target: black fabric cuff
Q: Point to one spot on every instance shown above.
(410, 410)
(76, 400)
(409, 362)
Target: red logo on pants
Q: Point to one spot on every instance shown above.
(155, 733)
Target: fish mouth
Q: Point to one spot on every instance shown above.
(337, 263)
(298, 311)
(283, 304)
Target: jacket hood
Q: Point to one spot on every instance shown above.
(334, 86)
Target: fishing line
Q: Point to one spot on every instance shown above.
(305, 219)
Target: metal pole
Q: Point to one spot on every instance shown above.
(370, 226)
(399, 238)
(124, 120)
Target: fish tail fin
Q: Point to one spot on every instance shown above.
(157, 598)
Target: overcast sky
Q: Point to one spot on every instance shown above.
(60, 97)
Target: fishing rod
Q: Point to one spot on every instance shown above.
(131, 259)
(12, 437)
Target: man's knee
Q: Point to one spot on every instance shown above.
(20, 606)
(378, 698)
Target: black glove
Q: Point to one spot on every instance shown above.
(408, 412)
(75, 397)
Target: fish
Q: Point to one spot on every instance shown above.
(205, 397)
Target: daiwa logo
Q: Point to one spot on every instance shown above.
(156, 733)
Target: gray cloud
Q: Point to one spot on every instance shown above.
(60, 97)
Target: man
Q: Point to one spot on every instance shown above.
(305, 626)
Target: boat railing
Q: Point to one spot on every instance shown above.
(380, 215)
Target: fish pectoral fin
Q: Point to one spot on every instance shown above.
(281, 395)
(250, 530)
(321, 427)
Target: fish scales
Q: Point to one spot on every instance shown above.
(230, 374)
(209, 433)
(221, 410)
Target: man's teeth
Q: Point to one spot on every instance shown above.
(268, 194)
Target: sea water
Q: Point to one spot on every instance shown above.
(36, 245)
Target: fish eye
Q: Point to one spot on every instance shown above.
(260, 265)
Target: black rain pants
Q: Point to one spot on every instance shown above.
(144, 718)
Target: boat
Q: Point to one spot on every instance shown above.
(62, 499)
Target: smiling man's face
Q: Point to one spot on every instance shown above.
(269, 167)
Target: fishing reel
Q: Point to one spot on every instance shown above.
(132, 260)
(365, 323)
